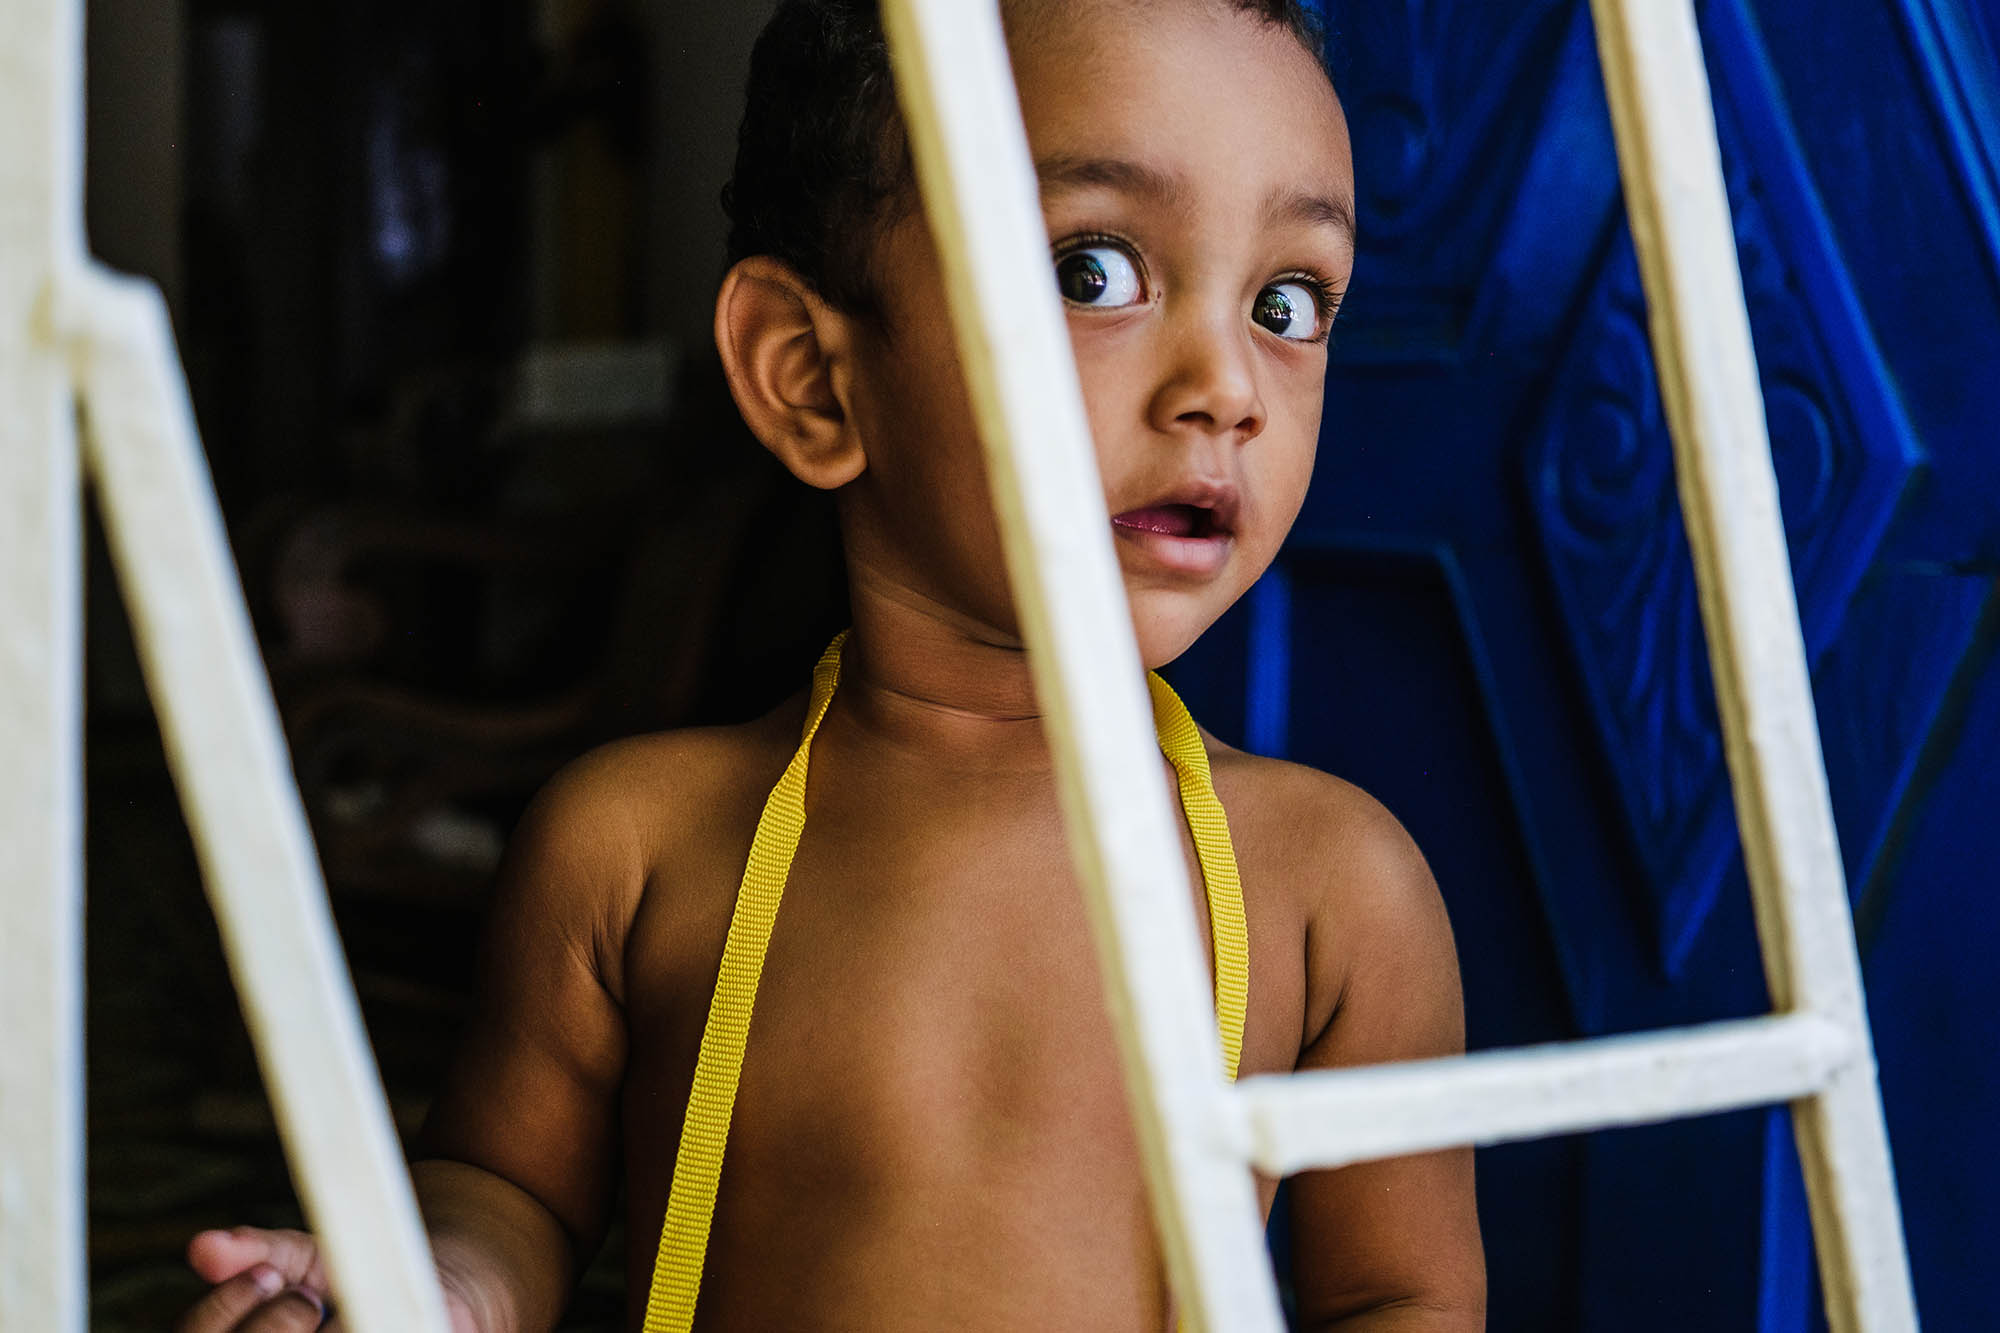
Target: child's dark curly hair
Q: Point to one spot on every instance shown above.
(821, 153)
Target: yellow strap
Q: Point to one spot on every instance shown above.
(677, 1271)
(1180, 741)
(705, 1132)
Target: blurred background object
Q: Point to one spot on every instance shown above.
(442, 272)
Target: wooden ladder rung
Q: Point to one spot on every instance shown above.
(1323, 1118)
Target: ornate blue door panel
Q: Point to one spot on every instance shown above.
(1487, 614)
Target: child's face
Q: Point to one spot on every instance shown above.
(1198, 189)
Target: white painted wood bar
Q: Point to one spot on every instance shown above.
(66, 326)
(1328, 1118)
(1672, 169)
(230, 766)
(42, 1227)
(984, 205)
(41, 845)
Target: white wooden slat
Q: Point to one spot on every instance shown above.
(1674, 192)
(42, 1229)
(229, 763)
(1329, 1118)
(41, 846)
(981, 196)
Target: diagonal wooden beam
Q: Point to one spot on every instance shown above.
(981, 196)
(230, 766)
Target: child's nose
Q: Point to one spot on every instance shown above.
(1209, 384)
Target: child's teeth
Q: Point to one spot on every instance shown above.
(1171, 520)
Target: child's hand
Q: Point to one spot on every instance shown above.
(264, 1282)
(274, 1282)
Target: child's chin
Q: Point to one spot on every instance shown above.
(1167, 624)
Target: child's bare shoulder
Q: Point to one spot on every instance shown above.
(606, 826)
(642, 790)
(1321, 852)
(551, 1028)
(1338, 839)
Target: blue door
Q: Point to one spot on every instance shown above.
(1487, 615)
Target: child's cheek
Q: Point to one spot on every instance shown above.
(1293, 430)
(1112, 371)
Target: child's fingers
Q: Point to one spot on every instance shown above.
(296, 1311)
(216, 1256)
(220, 1255)
(225, 1307)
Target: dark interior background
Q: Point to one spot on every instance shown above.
(441, 272)
(442, 275)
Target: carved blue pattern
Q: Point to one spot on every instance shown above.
(1880, 706)
(1955, 48)
(1486, 616)
(1602, 490)
(1430, 107)
(1530, 285)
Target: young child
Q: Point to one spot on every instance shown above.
(931, 1129)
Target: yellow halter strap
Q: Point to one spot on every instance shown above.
(719, 1067)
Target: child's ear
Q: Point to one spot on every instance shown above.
(785, 352)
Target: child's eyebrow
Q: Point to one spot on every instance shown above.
(1060, 175)
(1319, 210)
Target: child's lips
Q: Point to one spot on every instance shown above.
(1183, 538)
(1176, 520)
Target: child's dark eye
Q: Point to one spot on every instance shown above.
(1290, 310)
(1101, 276)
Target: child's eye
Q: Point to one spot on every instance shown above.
(1288, 309)
(1103, 276)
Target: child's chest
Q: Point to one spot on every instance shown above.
(929, 994)
(930, 1070)
(940, 998)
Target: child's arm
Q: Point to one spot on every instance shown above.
(520, 1146)
(1392, 1244)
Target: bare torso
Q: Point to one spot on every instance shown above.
(931, 1130)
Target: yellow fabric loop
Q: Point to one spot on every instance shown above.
(676, 1284)
(1180, 741)
(719, 1067)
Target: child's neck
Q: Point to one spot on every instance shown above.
(923, 676)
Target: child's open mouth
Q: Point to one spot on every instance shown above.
(1190, 539)
(1172, 520)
